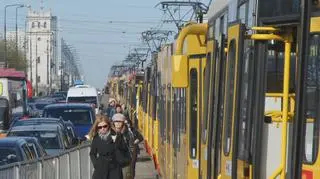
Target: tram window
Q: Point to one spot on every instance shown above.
(229, 94)
(174, 118)
(168, 114)
(244, 116)
(206, 100)
(225, 24)
(275, 66)
(178, 114)
(210, 32)
(217, 28)
(242, 13)
(183, 111)
(193, 113)
(312, 112)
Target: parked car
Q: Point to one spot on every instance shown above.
(81, 115)
(34, 146)
(14, 150)
(38, 106)
(67, 128)
(50, 136)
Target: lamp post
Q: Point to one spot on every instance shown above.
(20, 6)
(5, 32)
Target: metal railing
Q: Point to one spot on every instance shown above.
(72, 164)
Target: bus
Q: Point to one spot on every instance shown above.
(14, 92)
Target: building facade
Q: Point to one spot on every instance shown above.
(11, 37)
(42, 51)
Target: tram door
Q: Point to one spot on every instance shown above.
(311, 159)
(231, 167)
(194, 110)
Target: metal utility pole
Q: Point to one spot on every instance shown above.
(25, 47)
(48, 66)
(183, 11)
(21, 6)
(37, 60)
(31, 69)
(156, 38)
(139, 55)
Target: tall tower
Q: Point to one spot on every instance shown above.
(42, 50)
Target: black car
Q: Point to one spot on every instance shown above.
(14, 149)
(80, 114)
(67, 128)
(34, 146)
(50, 136)
(38, 106)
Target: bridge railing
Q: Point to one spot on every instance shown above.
(72, 164)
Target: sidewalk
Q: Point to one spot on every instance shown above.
(145, 167)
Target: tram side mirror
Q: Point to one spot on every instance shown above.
(179, 69)
(268, 119)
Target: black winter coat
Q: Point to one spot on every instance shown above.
(102, 155)
(130, 136)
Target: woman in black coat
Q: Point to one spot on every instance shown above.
(104, 143)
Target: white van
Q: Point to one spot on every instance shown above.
(84, 94)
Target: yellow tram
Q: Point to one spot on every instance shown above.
(238, 96)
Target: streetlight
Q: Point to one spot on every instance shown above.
(20, 6)
(5, 31)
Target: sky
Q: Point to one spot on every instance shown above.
(101, 31)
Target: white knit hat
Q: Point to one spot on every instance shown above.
(118, 117)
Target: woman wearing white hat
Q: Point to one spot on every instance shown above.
(120, 128)
(118, 121)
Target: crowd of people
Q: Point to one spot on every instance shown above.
(114, 146)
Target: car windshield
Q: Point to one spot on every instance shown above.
(47, 139)
(76, 116)
(86, 99)
(7, 155)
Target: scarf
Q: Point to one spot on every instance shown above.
(104, 136)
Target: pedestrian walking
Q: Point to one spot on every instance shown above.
(131, 138)
(106, 146)
(110, 111)
(135, 138)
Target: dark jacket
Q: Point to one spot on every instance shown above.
(110, 111)
(130, 135)
(102, 155)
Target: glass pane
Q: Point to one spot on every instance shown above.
(242, 13)
(229, 94)
(206, 100)
(244, 118)
(193, 112)
(312, 100)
